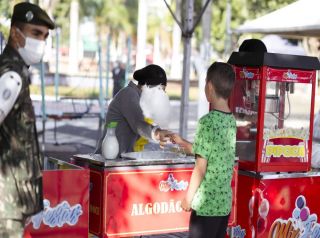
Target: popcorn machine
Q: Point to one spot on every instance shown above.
(273, 102)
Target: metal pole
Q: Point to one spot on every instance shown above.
(101, 102)
(1, 42)
(141, 34)
(184, 107)
(228, 30)
(128, 60)
(56, 75)
(43, 103)
(108, 64)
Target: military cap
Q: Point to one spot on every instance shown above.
(30, 13)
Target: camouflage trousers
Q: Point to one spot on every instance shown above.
(11, 229)
(10, 213)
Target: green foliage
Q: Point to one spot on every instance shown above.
(242, 10)
(6, 8)
(118, 16)
(112, 15)
(61, 15)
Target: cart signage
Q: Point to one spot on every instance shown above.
(65, 203)
(58, 216)
(301, 224)
(172, 184)
(141, 209)
(289, 75)
(285, 144)
(147, 200)
(247, 73)
(290, 199)
(286, 151)
(237, 232)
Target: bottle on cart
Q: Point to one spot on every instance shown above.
(110, 145)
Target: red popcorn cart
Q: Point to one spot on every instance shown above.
(273, 102)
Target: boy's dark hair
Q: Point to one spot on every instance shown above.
(222, 77)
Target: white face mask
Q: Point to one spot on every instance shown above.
(33, 50)
(155, 104)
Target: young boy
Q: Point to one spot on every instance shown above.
(209, 195)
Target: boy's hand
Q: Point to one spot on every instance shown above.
(186, 205)
(186, 145)
(176, 139)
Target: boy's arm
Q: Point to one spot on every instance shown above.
(197, 176)
(186, 145)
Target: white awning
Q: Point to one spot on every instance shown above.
(301, 18)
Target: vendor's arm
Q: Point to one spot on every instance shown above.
(131, 111)
(197, 176)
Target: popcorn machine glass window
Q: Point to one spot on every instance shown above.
(244, 104)
(286, 122)
(287, 108)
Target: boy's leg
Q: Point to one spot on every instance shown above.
(222, 225)
(207, 227)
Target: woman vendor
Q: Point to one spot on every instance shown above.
(126, 111)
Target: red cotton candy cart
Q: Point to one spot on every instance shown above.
(142, 196)
(273, 103)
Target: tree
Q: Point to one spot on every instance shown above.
(6, 8)
(242, 10)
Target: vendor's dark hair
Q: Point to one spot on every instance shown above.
(222, 77)
(151, 75)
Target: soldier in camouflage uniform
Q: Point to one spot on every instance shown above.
(20, 160)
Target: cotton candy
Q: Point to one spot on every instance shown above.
(155, 104)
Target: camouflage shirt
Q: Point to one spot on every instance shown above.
(20, 162)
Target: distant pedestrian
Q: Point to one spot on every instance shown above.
(119, 77)
(20, 160)
(209, 195)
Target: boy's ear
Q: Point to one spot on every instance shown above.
(210, 86)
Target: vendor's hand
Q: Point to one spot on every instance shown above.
(163, 136)
(186, 205)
